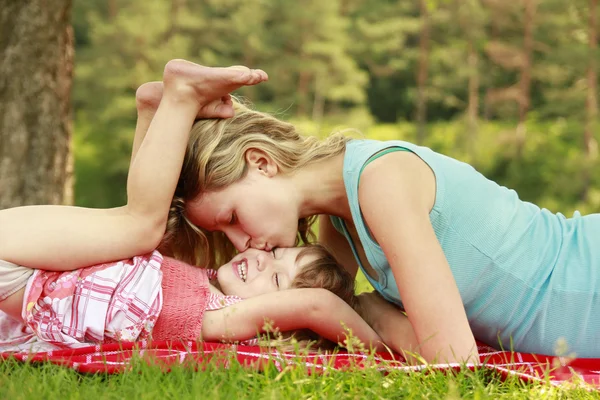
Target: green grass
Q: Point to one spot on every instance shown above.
(46, 381)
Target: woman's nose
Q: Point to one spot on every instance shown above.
(239, 239)
(258, 245)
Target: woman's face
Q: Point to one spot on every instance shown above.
(258, 211)
(255, 272)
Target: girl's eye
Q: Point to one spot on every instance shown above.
(277, 280)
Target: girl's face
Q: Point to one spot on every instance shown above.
(258, 211)
(255, 272)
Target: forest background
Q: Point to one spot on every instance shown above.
(508, 86)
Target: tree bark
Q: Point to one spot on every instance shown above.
(422, 72)
(112, 9)
(319, 102)
(473, 106)
(525, 80)
(303, 88)
(591, 104)
(36, 68)
(465, 11)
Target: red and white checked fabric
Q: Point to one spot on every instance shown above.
(107, 302)
(117, 358)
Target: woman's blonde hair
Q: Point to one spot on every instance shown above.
(215, 158)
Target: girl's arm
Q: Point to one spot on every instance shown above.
(316, 309)
(58, 229)
(65, 238)
(147, 100)
(396, 194)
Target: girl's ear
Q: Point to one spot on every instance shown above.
(260, 161)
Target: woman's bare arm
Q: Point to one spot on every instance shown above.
(396, 194)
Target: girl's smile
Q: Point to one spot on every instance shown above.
(240, 268)
(255, 272)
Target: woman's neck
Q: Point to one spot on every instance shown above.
(322, 189)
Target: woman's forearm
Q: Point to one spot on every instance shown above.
(330, 314)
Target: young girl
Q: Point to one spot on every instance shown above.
(158, 297)
(463, 256)
(57, 238)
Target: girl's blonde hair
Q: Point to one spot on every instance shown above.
(323, 272)
(215, 158)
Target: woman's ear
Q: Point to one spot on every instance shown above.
(260, 161)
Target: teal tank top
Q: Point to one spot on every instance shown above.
(529, 279)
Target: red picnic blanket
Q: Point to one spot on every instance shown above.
(117, 357)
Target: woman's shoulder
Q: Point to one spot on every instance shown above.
(375, 145)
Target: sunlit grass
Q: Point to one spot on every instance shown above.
(211, 380)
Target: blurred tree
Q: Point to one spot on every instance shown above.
(472, 19)
(506, 56)
(423, 70)
(311, 56)
(123, 44)
(590, 143)
(514, 57)
(328, 59)
(384, 34)
(36, 48)
(525, 70)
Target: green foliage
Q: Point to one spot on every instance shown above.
(548, 172)
(351, 64)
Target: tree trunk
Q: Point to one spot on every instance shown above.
(303, 87)
(473, 106)
(112, 9)
(421, 112)
(176, 7)
(494, 37)
(464, 16)
(525, 80)
(319, 102)
(591, 104)
(36, 67)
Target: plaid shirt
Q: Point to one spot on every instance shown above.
(108, 302)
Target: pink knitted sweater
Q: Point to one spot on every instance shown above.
(185, 298)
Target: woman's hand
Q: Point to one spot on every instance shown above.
(391, 324)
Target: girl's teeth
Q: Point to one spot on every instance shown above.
(242, 269)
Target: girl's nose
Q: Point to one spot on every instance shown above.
(262, 261)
